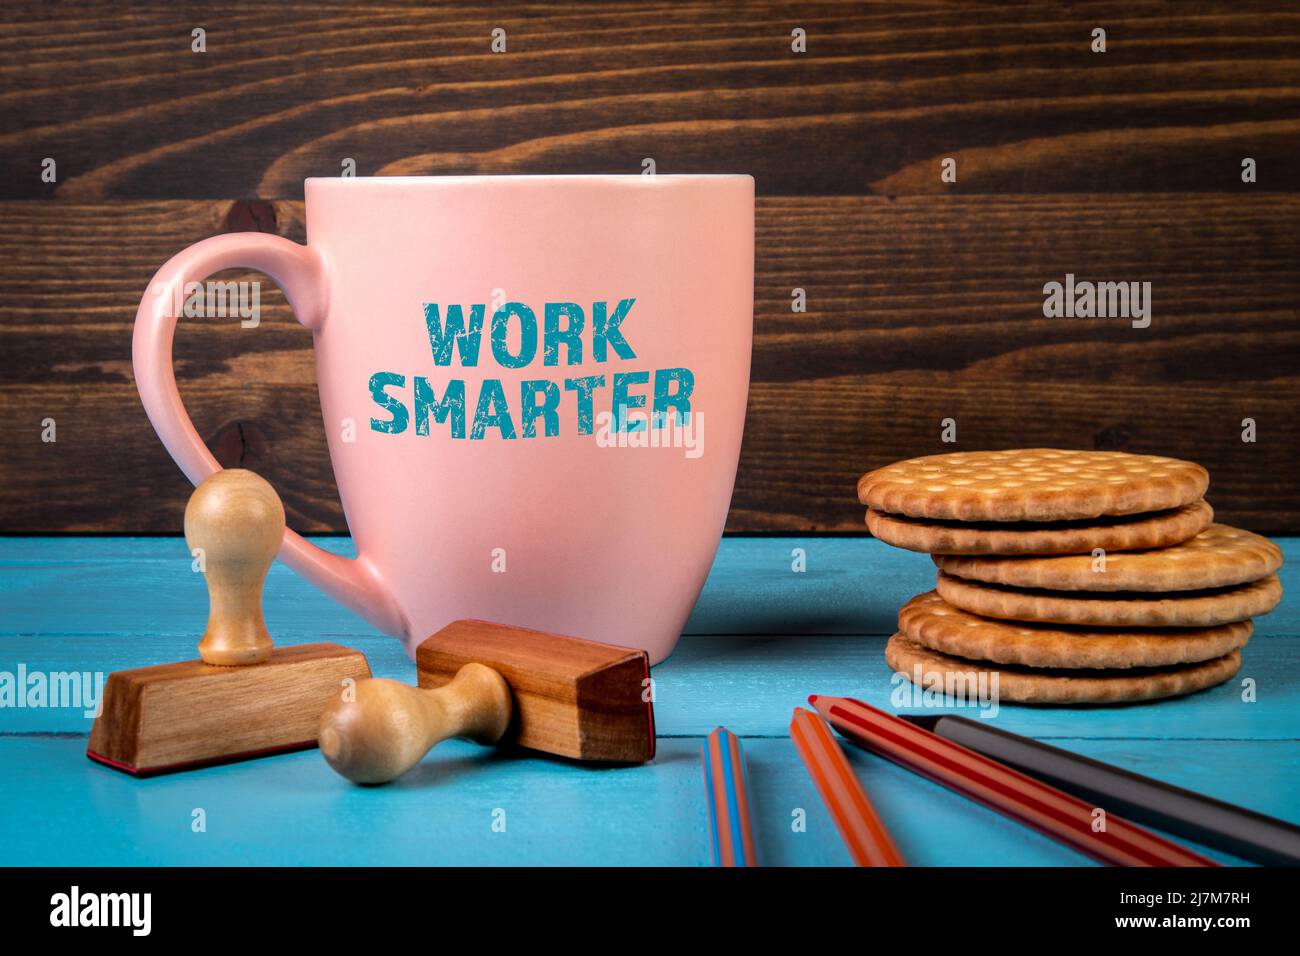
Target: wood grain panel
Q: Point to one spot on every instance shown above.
(919, 309)
(883, 93)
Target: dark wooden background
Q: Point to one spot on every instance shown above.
(924, 298)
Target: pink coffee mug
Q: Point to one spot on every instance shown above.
(533, 387)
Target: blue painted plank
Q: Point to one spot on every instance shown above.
(69, 604)
(145, 586)
(57, 808)
(750, 684)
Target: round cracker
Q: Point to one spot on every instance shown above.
(1025, 686)
(930, 621)
(1158, 530)
(1127, 609)
(1218, 557)
(1032, 484)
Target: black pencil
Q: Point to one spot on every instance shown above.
(1213, 823)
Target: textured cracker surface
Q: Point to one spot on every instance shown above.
(1019, 685)
(930, 621)
(1032, 484)
(1220, 556)
(1173, 609)
(1152, 530)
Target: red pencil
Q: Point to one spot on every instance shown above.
(865, 835)
(1050, 811)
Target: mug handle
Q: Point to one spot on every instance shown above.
(302, 273)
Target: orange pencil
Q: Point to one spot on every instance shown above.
(860, 826)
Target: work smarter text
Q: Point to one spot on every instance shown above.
(566, 335)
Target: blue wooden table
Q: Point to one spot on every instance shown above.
(762, 638)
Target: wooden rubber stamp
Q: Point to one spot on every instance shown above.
(243, 697)
(496, 684)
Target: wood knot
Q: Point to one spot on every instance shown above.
(239, 445)
(1114, 438)
(250, 215)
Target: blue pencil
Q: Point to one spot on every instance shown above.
(726, 783)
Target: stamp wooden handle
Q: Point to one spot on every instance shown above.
(235, 522)
(389, 726)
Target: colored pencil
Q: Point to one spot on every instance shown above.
(860, 826)
(727, 785)
(1083, 826)
(1185, 813)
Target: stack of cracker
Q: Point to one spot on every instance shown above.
(1079, 577)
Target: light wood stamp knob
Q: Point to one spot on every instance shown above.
(389, 726)
(236, 517)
